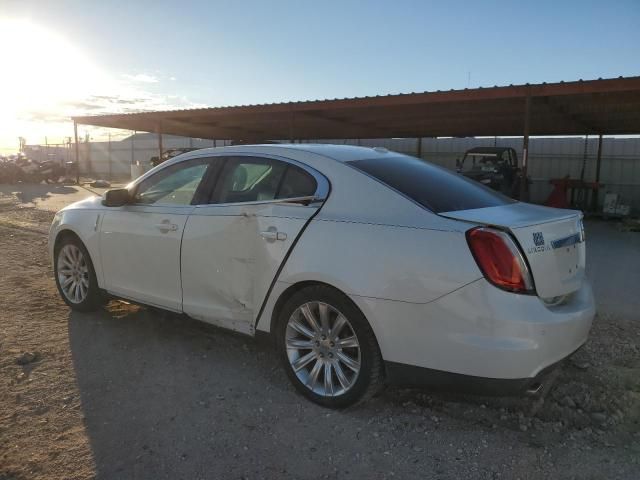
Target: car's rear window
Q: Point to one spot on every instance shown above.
(433, 187)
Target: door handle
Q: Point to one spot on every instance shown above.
(273, 235)
(165, 226)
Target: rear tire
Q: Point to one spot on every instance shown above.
(75, 276)
(328, 348)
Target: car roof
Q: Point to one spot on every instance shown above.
(341, 153)
(315, 155)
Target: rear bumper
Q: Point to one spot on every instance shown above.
(480, 331)
(411, 376)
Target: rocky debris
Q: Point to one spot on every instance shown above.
(27, 358)
(599, 417)
(630, 225)
(100, 184)
(580, 365)
(9, 200)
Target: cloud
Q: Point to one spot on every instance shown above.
(141, 77)
(115, 95)
(42, 116)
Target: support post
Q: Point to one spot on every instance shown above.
(133, 136)
(291, 127)
(594, 204)
(584, 157)
(419, 148)
(109, 158)
(159, 142)
(524, 191)
(87, 143)
(77, 148)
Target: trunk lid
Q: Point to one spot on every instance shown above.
(551, 239)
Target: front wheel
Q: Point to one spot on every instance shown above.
(328, 348)
(75, 275)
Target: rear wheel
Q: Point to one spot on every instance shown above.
(328, 348)
(75, 275)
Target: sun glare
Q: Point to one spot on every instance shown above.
(43, 73)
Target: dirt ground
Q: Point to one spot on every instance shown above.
(131, 392)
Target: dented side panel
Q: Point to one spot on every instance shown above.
(230, 256)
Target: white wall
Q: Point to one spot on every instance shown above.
(104, 159)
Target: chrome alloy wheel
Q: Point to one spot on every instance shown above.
(73, 273)
(323, 349)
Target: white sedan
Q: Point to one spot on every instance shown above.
(366, 266)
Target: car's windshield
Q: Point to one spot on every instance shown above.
(171, 186)
(433, 187)
(475, 162)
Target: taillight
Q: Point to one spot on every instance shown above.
(499, 259)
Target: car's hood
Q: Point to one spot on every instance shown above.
(90, 203)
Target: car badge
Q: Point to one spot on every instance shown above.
(538, 239)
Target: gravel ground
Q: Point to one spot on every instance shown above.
(131, 392)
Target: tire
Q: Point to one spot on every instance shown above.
(71, 255)
(332, 347)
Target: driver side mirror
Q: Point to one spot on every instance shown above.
(116, 197)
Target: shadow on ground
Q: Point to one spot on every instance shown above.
(30, 193)
(613, 267)
(163, 393)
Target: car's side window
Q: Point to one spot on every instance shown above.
(252, 179)
(174, 185)
(248, 179)
(297, 183)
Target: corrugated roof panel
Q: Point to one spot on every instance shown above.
(610, 106)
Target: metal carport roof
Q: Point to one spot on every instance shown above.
(603, 106)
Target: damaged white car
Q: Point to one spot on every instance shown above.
(366, 266)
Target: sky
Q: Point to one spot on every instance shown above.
(67, 57)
